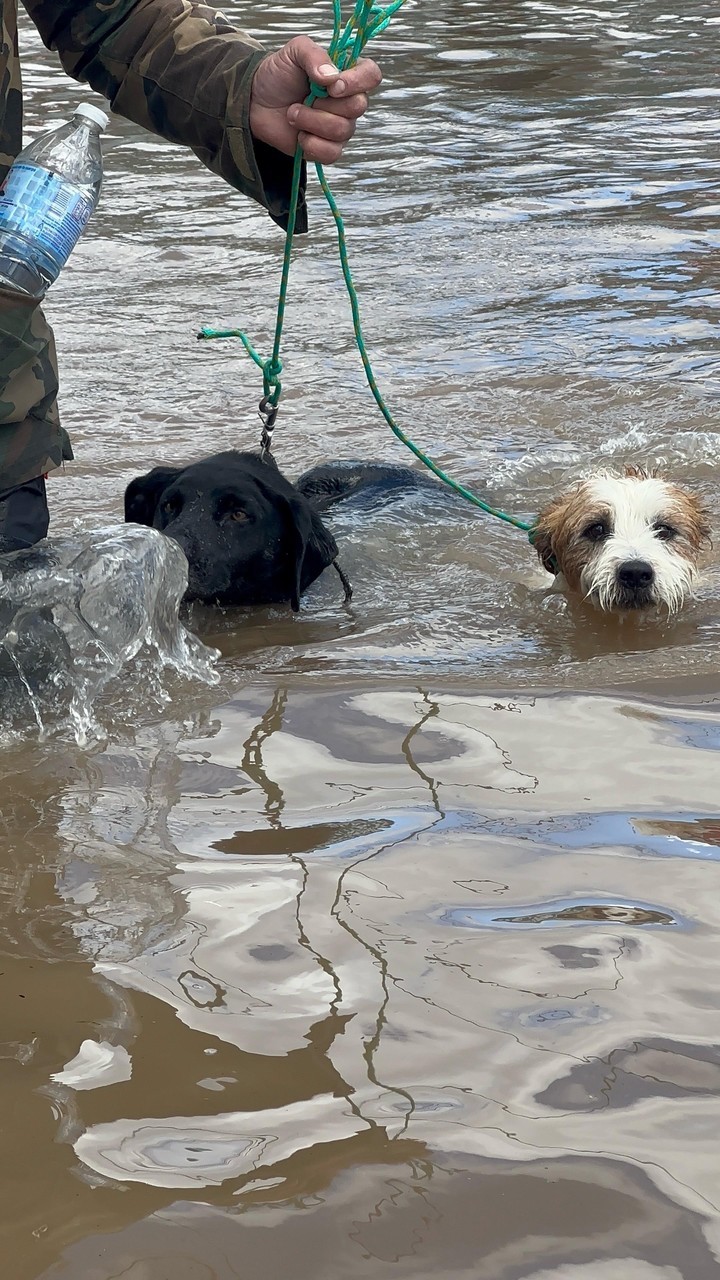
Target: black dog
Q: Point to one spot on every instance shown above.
(250, 537)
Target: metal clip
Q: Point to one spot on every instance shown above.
(268, 414)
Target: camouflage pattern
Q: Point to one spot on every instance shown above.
(178, 69)
(32, 442)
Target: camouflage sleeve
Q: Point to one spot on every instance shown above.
(180, 70)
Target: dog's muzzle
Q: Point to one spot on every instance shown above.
(635, 584)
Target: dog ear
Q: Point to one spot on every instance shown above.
(542, 536)
(314, 547)
(311, 546)
(700, 527)
(143, 494)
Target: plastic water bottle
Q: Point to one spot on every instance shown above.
(47, 199)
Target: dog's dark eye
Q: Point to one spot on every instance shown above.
(596, 532)
(237, 515)
(170, 506)
(665, 532)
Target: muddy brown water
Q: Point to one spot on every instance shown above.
(395, 953)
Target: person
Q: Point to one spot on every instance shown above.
(180, 70)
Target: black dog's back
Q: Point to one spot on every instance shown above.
(332, 482)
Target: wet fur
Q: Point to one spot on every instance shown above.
(283, 546)
(249, 536)
(332, 482)
(647, 521)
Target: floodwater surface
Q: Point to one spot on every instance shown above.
(393, 952)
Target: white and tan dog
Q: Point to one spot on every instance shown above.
(624, 543)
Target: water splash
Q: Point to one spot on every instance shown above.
(78, 613)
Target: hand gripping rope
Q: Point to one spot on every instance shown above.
(367, 21)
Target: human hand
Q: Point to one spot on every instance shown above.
(280, 86)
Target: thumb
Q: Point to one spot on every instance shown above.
(313, 60)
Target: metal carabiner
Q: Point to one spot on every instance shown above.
(268, 412)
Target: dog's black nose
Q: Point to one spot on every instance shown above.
(636, 575)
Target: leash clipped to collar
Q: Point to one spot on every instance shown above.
(367, 21)
(271, 370)
(268, 413)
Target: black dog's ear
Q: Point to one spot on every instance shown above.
(143, 494)
(311, 546)
(314, 547)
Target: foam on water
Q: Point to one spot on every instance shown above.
(97, 614)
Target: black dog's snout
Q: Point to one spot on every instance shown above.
(636, 575)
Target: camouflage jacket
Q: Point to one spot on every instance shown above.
(180, 70)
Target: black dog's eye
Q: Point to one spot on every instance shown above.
(170, 506)
(665, 532)
(596, 532)
(237, 515)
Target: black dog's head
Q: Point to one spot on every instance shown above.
(248, 535)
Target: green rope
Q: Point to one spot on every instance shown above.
(379, 400)
(368, 20)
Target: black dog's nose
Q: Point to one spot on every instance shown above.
(636, 575)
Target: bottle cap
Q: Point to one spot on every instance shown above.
(90, 112)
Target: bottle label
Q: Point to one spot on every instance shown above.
(45, 209)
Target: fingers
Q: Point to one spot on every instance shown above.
(320, 150)
(324, 128)
(323, 133)
(362, 78)
(314, 61)
(352, 106)
(321, 124)
(328, 118)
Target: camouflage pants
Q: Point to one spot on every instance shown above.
(24, 515)
(32, 442)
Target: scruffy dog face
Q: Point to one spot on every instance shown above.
(623, 543)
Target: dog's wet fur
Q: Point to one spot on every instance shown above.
(332, 482)
(624, 543)
(250, 536)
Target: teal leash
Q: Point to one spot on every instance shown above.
(367, 21)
